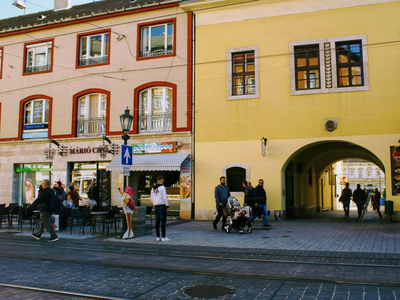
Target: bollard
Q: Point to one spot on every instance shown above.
(389, 209)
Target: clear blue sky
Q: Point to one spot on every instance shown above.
(7, 10)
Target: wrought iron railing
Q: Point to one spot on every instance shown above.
(93, 61)
(153, 123)
(38, 69)
(91, 127)
(156, 52)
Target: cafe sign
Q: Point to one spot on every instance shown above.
(161, 147)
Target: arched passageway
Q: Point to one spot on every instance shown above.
(309, 181)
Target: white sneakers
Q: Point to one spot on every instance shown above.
(165, 239)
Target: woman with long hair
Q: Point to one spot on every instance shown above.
(128, 205)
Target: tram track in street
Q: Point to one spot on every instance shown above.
(185, 260)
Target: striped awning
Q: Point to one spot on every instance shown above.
(153, 162)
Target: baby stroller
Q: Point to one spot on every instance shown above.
(239, 216)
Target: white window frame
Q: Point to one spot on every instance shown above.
(230, 52)
(37, 49)
(104, 49)
(149, 51)
(334, 88)
(1, 62)
(149, 107)
(35, 132)
(87, 117)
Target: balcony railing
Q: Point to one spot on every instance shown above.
(156, 52)
(91, 127)
(35, 69)
(93, 61)
(154, 123)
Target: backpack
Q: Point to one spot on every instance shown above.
(56, 205)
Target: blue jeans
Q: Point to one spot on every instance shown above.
(265, 217)
(161, 217)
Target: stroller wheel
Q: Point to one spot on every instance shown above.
(241, 231)
(249, 230)
(228, 228)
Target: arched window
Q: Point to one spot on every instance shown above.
(92, 110)
(36, 119)
(234, 178)
(155, 109)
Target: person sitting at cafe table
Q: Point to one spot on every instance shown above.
(69, 203)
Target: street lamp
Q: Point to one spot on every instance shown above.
(126, 122)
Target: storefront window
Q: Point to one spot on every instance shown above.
(29, 178)
(84, 174)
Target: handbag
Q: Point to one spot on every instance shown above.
(131, 204)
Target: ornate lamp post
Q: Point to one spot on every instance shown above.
(126, 122)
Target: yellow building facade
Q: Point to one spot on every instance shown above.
(317, 79)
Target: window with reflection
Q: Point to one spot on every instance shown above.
(349, 63)
(92, 110)
(93, 49)
(38, 57)
(243, 73)
(36, 119)
(155, 109)
(157, 40)
(307, 67)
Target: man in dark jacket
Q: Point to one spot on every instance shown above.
(43, 202)
(345, 199)
(359, 199)
(260, 200)
(221, 194)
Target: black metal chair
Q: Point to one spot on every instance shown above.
(26, 214)
(77, 217)
(5, 216)
(14, 214)
(149, 212)
(111, 218)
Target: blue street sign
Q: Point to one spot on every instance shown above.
(126, 155)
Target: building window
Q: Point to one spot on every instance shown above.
(1, 62)
(92, 110)
(155, 109)
(94, 49)
(36, 119)
(243, 78)
(329, 65)
(234, 178)
(307, 67)
(360, 175)
(38, 57)
(349, 63)
(156, 40)
(243, 73)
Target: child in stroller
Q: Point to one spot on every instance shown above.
(239, 216)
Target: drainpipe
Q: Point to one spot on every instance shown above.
(193, 113)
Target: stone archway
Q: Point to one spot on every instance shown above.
(305, 167)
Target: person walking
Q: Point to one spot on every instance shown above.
(345, 199)
(161, 207)
(128, 205)
(260, 200)
(247, 201)
(359, 199)
(376, 198)
(43, 202)
(221, 194)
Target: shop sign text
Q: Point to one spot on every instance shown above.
(161, 147)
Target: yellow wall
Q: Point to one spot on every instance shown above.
(229, 131)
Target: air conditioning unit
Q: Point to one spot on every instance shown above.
(330, 124)
(20, 4)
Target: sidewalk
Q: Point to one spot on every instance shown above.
(328, 231)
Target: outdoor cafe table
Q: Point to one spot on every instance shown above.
(95, 215)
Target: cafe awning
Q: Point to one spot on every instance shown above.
(153, 162)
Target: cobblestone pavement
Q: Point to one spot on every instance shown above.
(303, 259)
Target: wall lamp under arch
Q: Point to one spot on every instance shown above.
(263, 146)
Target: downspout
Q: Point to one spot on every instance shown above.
(193, 112)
